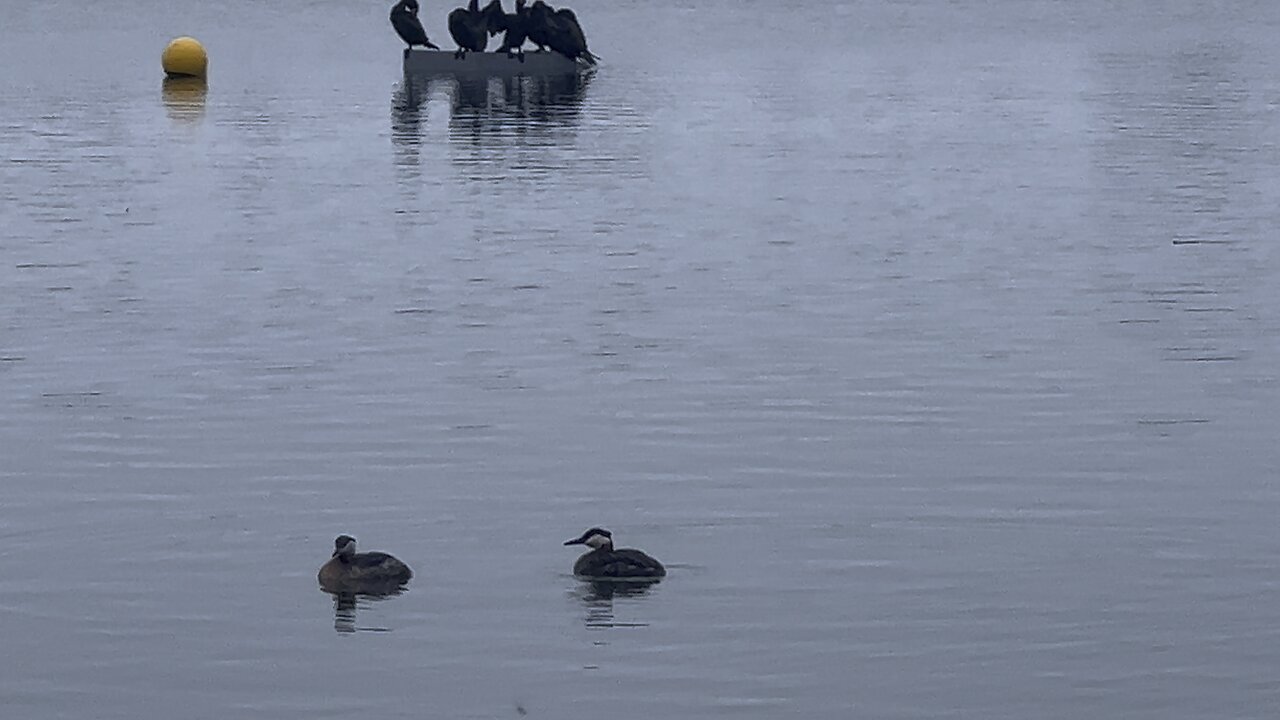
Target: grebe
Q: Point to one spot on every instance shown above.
(606, 563)
(373, 572)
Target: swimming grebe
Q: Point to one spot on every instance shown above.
(373, 572)
(605, 562)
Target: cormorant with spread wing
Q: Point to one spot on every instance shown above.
(516, 26)
(469, 28)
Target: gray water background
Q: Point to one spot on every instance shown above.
(932, 345)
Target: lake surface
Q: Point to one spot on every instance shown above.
(933, 346)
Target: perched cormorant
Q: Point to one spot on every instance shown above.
(495, 20)
(537, 24)
(603, 562)
(371, 572)
(576, 41)
(516, 26)
(404, 18)
(469, 28)
(562, 31)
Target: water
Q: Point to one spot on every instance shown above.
(933, 346)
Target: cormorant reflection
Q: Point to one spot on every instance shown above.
(499, 112)
(490, 120)
(345, 605)
(597, 598)
(408, 113)
(485, 104)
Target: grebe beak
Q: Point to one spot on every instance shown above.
(579, 541)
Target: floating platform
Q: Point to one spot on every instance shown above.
(421, 62)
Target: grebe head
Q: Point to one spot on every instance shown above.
(344, 545)
(595, 538)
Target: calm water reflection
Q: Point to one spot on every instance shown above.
(519, 106)
(937, 355)
(347, 604)
(598, 599)
(184, 98)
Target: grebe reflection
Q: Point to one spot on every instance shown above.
(346, 605)
(598, 597)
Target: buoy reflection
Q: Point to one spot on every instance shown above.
(184, 98)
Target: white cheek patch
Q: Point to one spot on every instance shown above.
(598, 541)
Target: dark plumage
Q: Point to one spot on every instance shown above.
(495, 20)
(404, 18)
(603, 562)
(536, 23)
(371, 572)
(469, 28)
(574, 44)
(622, 563)
(516, 26)
(561, 31)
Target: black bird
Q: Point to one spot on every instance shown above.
(516, 26)
(563, 32)
(404, 18)
(469, 28)
(606, 563)
(537, 23)
(575, 45)
(495, 20)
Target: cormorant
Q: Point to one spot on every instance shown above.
(516, 26)
(576, 41)
(469, 28)
(494, 18)
(537, 24)
(404, 18)
(561, 30)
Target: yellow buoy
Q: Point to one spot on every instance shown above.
(185, 57)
